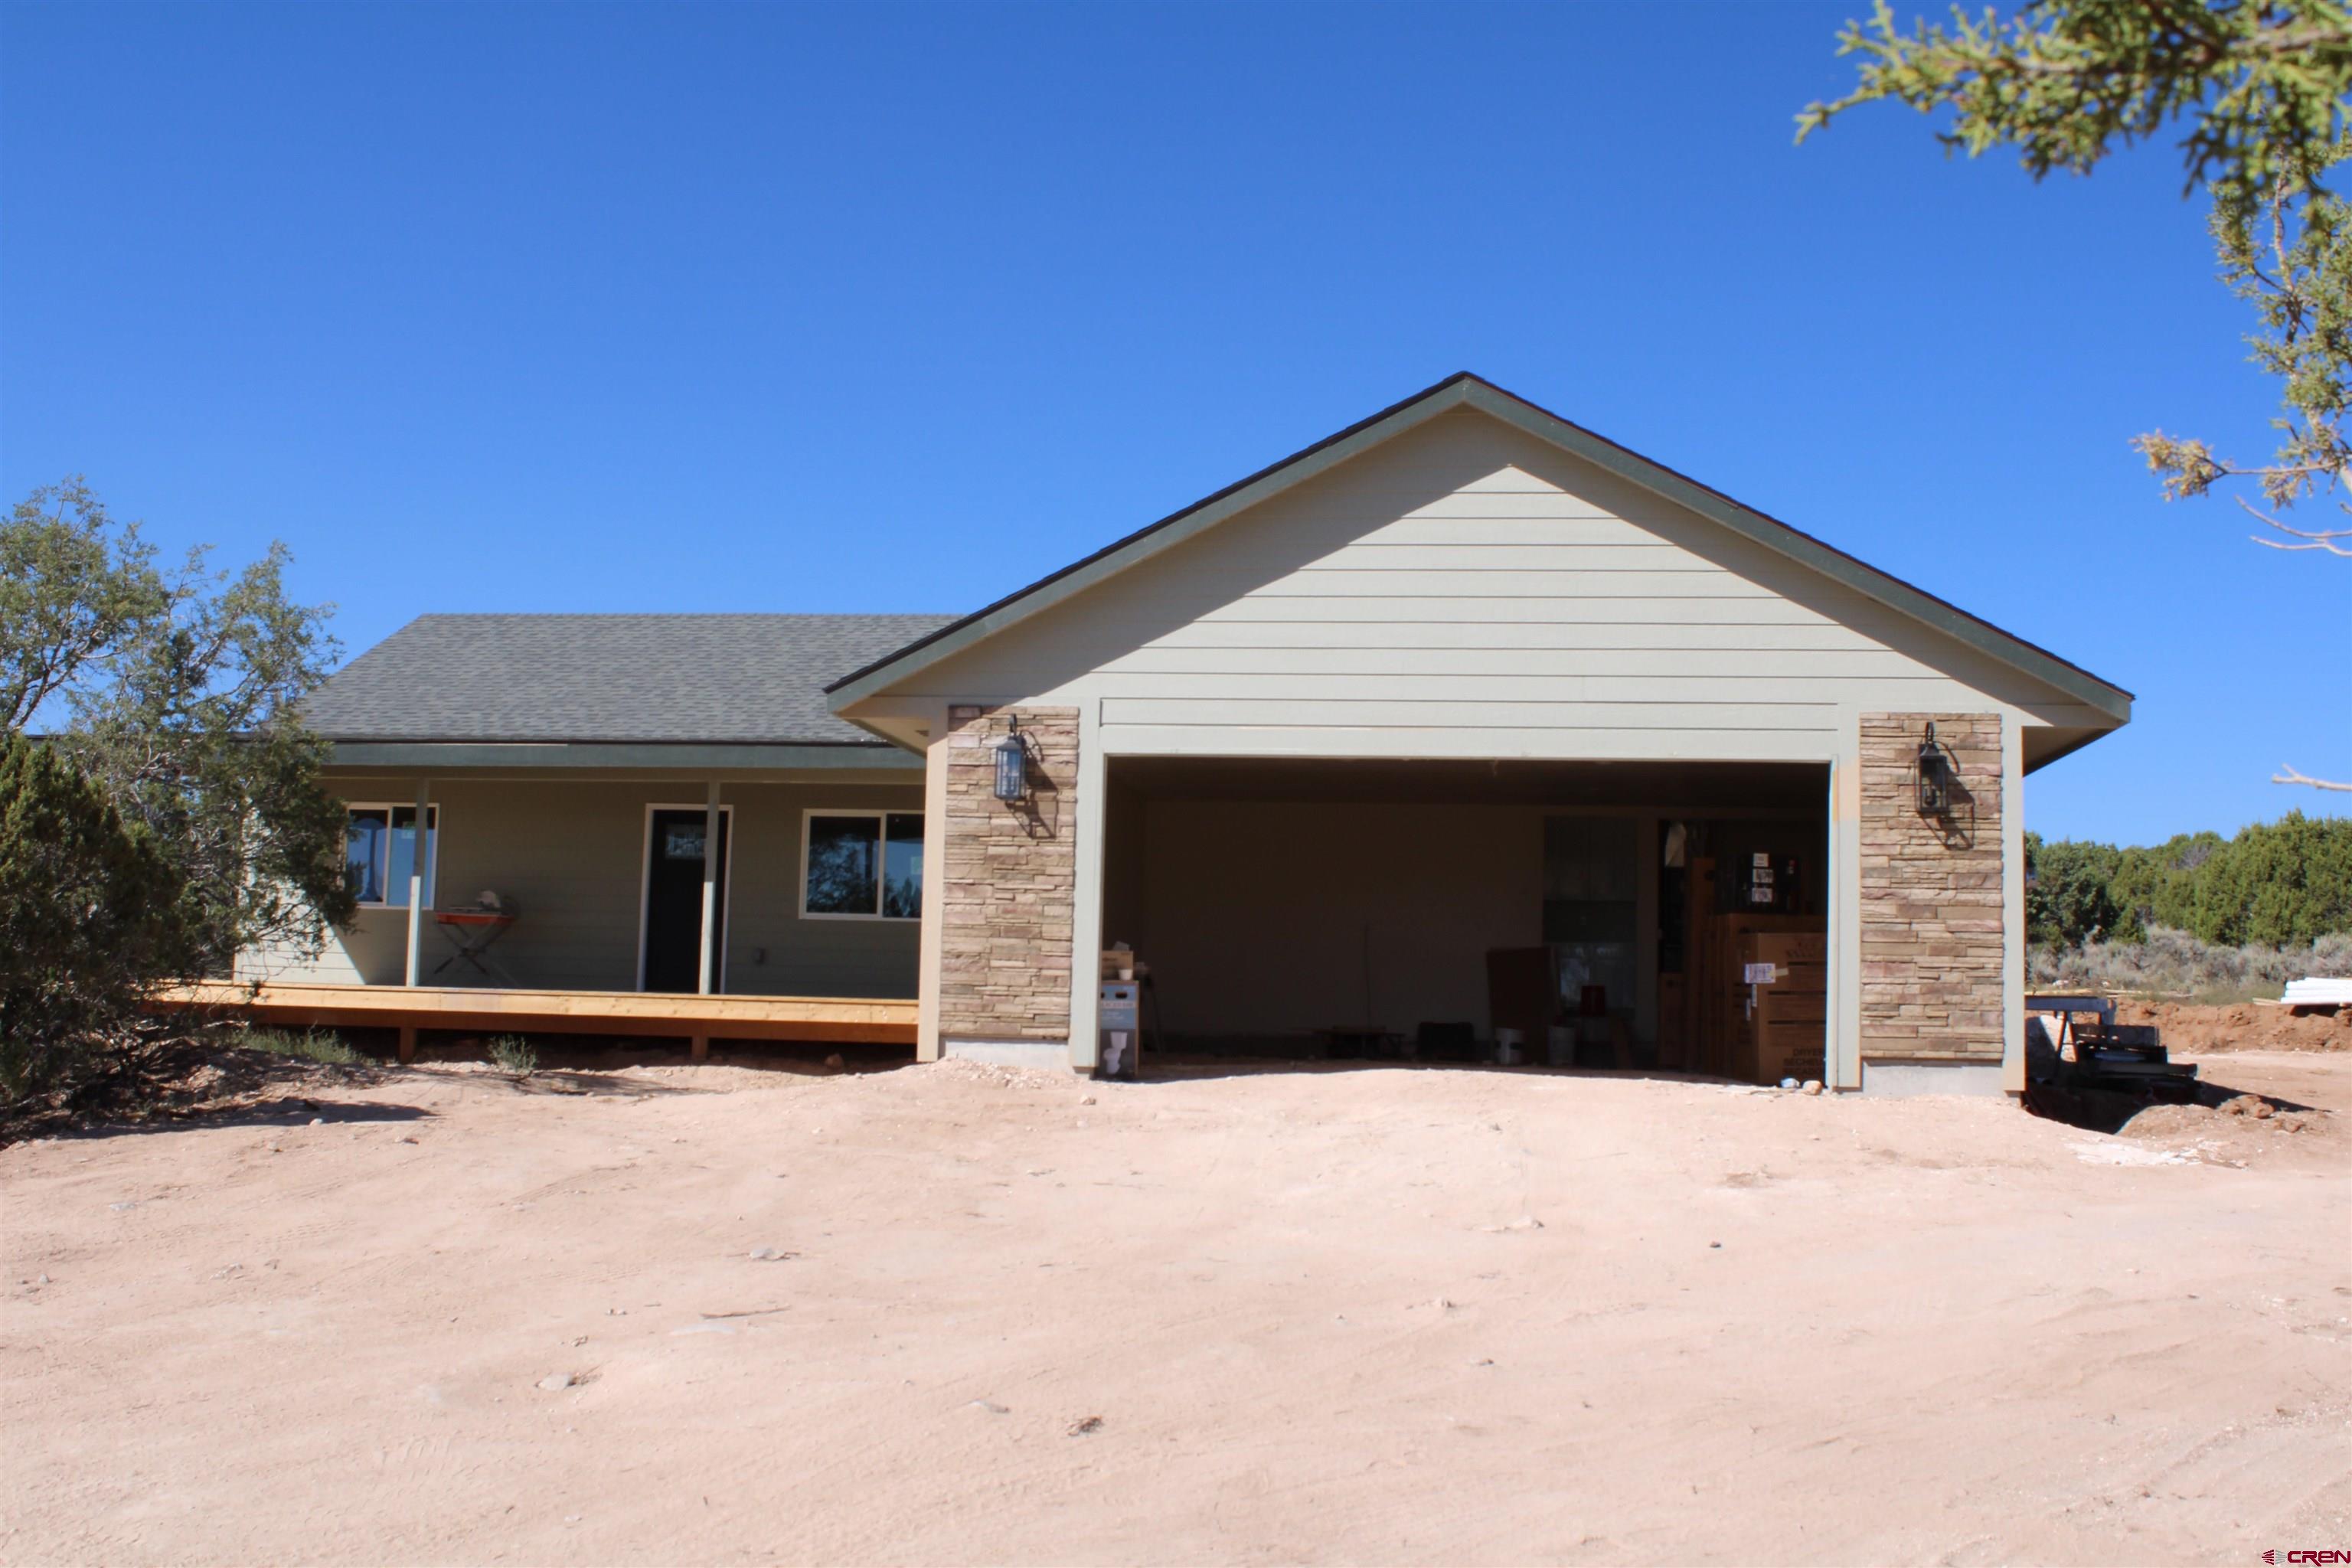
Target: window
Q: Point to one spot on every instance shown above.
(379, 849)
(862, 865)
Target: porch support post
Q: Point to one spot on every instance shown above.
(416, 864)
(709, 968)
(1843, 903)
(1089, 833)
(2013, 904)
(930, 942)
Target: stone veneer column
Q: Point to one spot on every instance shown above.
(1932, 895)
(1009, 878)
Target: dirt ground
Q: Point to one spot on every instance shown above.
(954, 1314)
(2187, 1027)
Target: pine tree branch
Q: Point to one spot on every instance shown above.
(2292, 776)
(2312, 538)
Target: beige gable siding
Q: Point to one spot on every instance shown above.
(1467, 590)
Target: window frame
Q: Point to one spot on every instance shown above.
(881, 816)
(432, 848)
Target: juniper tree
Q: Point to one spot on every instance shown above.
(175, 692)
(89, 914)
(2259, 88)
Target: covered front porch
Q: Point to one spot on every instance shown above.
(739, 892)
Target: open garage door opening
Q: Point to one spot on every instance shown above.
(1613, 916)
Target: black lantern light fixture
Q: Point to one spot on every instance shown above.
(1012, 765)
(1935, 776)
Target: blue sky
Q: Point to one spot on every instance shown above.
(780, 308)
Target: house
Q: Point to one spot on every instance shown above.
(1463, 702)
(576, 769)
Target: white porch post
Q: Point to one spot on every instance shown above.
(1089, 832)
(709, 968)
(416, 864)
(2012, 903)
(1843, 903)
(930, 944)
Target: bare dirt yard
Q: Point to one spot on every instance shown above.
(955, 1314)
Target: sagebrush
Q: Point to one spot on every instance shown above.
(309, 1045)
(514, 1054)
(2176, 964)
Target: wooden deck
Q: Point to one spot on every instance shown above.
(481, 1010)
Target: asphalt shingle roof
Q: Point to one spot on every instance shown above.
(607, 677)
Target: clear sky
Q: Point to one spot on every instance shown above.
(763, 307)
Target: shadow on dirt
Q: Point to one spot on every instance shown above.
(2111, 1110)
(2056, 1093)
(593, 1083)
(209, 1080)
(578, 1061)
(285, 1113)
(1190, 1068)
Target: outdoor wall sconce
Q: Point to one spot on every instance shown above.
(1012, 766)
(1936, 774)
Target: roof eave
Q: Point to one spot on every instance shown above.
(680, 756)
(899, 742)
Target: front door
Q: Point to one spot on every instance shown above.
(675, 854)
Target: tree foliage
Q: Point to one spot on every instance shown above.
(2261, 87)
(2282, 884)
(175, 692)
(2070, 898)
(90, 912)
(2068, 82)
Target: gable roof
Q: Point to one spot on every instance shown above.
(1463, 390)
(636, 678)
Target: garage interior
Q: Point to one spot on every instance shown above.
(1601, 916)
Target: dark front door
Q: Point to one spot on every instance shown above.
(674, 901)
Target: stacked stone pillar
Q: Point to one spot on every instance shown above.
(1932, 952)
(1010, 880)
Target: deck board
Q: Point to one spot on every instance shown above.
(849, 1020)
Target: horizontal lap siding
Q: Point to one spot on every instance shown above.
(1525, 590)
(1465, 590)
(1373, 740)
(1591, 601)
(771, 948)
(1531, 714)
(1662, 651)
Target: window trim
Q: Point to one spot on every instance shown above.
(881, 815)
(432, 848)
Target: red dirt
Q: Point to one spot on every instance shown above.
(2193, 1029)
(952, 1314)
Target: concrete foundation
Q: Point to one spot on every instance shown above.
(1903, 1078)
(1046, 1056)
